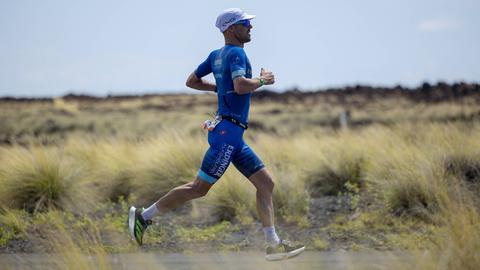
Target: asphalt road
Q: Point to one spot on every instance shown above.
(211, 261)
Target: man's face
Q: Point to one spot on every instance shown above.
(241, 30)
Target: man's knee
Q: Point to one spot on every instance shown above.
(200, 192)
(263, 181)
(266, 184)
(269, 184)
(200, 188)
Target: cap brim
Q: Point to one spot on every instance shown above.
(248, 17)
(244, 17)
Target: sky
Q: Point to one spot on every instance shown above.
(54, 47)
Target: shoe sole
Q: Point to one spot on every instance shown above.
(131, 221)
(284, 256)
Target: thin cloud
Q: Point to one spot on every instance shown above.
(437, 25)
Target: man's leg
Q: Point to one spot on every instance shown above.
(181, 194)
(262, 180)
(178, 196)
(139, 220)
(215, 162)
(277, 249)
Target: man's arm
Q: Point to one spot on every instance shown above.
(243, 85)
(200, 84)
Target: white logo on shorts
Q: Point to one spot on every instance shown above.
(224, 161)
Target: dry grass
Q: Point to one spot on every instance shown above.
(407, 166)
(411, 162)
(38, 179)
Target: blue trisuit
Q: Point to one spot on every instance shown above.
(226, 140)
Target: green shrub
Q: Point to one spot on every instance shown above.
(13, 225)
(319, 243)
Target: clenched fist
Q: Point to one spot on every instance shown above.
(267, 76)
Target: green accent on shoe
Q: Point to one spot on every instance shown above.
(137, 225)
(284, 250)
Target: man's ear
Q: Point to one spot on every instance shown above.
(230, 29)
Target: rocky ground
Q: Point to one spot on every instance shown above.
(202, 235)
(247, 237)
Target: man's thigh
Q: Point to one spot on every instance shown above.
(215, 162)
(246, 161)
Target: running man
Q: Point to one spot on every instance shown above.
(234, 85)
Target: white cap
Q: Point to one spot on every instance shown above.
(231, 16)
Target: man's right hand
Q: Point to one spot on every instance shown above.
(242, 85)
(267, 76)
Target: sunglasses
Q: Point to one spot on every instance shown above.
(245, 23)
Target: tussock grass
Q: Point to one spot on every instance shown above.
(338, 162)
(418, 165)
(286, 164)
(113, 169)
(39, 179)
(407, 178)
(143, 170)
(458, 244)
(461, 158)
(104, 227)
(416, 188)
(232, 198)
(290, 198)
(317, 164)
(406, 171)
(465, 167)
(409, 170)
(69, 251)
(165, 162)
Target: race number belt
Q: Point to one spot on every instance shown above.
(235, 121)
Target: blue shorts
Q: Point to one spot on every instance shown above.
(227, 145)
